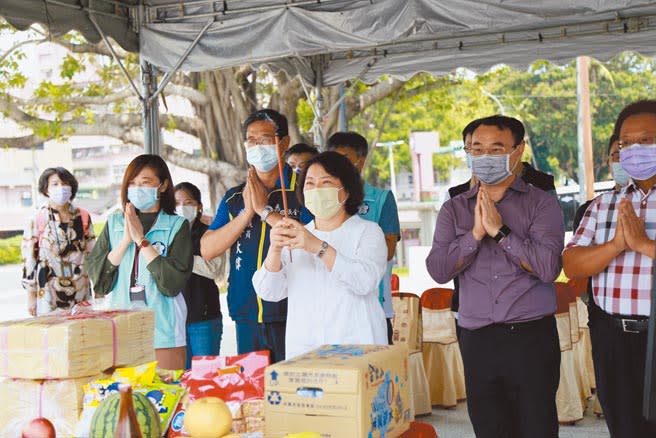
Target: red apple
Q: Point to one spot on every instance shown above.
(39, 428)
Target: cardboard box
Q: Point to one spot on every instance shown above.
(407, 321)
(340, 391)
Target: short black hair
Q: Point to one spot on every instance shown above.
(351, 140)
(268, 115)
(640, 107)
(503, 122)
(469, 129)
(64, 175)
(301, 148)
(613, 138)
(340, 167)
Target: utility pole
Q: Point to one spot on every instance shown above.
(390, 145)
(584, 129)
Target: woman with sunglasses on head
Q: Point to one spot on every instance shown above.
(55, 244)
(144, 256)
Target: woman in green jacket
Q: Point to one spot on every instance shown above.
(144, 256)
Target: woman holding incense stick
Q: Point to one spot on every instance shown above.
(329, 269)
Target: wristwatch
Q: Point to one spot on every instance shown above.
(503, 232)
(322, 249)
(266, 211)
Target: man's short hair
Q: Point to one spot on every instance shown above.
(503, 122)
(645, 106)
(301, 148)
(469, 129)
(351, 140)
(268, 115)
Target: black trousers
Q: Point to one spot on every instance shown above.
(619, 362)
(512, 374)
(254, 336)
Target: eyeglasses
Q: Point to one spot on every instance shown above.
(265, 139)
(478, 151)
(643, 140)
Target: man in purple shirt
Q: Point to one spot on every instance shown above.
(502, 239)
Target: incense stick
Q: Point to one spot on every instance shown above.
(281, 174)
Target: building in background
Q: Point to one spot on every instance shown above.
(98, 162)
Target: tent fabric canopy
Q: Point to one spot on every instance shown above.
(344, 39)
(116, 18)
(367, 39)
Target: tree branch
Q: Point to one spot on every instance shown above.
(18, 45)
(407, 94)
(230, 175)
(374, 94)
(193, 95)
(98, 48)
(81, 100)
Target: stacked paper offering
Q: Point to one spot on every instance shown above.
(60, 401)
(71, 346)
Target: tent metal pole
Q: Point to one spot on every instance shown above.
(343, 123)
(151, 109)
(318, 84)
(114, 55)
(169, 75)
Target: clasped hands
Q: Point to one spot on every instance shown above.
(289, 233)
(630, 231)
(133, 229)
(487, 220)
(254, 193)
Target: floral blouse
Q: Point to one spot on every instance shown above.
(54, 254)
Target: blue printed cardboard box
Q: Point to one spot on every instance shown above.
(340, 391)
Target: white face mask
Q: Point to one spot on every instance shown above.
(188, 212)
(60, 195)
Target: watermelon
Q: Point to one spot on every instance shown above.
(105, 419)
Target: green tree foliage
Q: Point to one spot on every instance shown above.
(543, 97)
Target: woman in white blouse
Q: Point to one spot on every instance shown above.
(337, 261)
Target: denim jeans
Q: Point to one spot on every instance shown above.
(204, 338)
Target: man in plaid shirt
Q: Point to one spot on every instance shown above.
(615, 245)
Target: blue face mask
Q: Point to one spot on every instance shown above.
(143, 198)
(263, 157)
(619, 174)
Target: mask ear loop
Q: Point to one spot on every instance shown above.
(512, 171)
(347, 196)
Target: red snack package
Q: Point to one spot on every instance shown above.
(234, 379)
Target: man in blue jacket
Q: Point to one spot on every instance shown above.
(242, 224)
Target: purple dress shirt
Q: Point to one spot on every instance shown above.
(494, 288)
